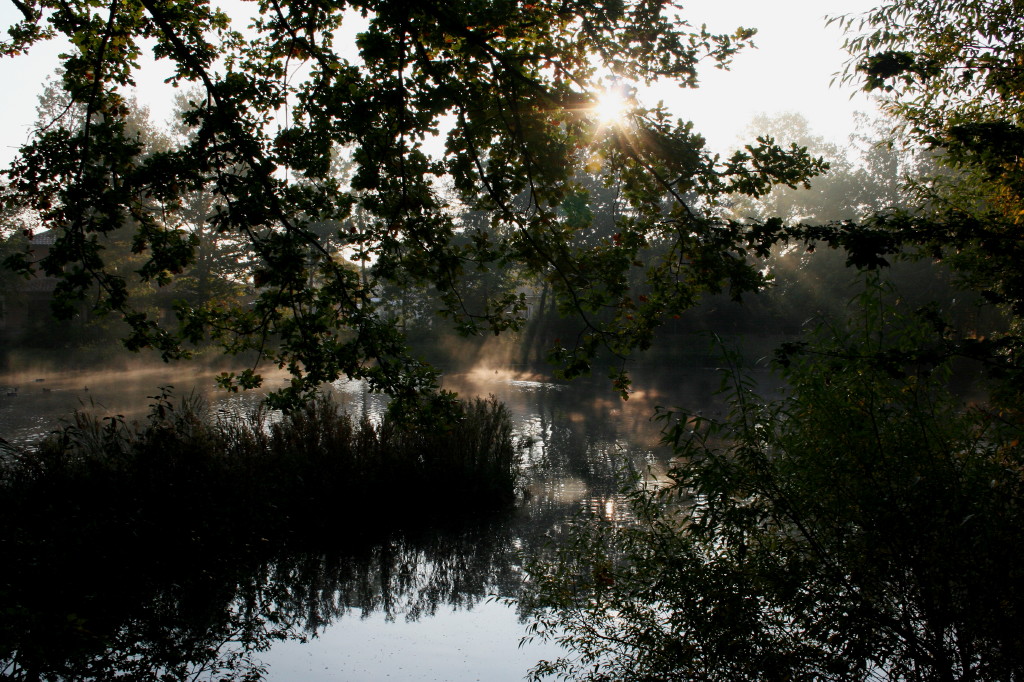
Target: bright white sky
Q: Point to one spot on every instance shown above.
(796, 58)
(790, 71)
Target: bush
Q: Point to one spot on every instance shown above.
(867, 525)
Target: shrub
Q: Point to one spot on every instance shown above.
(867, 525)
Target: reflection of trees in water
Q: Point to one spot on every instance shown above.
(196, 612)
(199, 613)
(88, 601)
(109, 608)
(583, 433)
(406, 577)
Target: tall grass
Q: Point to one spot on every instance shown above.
(315, 465)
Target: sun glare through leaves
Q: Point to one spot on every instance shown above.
(612, 105)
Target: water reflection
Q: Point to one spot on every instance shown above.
(88, 602)
(140, 611)
(34, 402)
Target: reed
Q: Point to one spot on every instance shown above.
(310, 467)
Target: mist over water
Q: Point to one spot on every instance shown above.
(35, 400)
(422, 604)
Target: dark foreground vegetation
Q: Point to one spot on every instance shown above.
(188, 470)
(180, 546)
(867, 525)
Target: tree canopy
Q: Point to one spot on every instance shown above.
(863, 526)
(950, 74)
(440, 107)
(856, 526)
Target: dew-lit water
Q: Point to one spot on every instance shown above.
(424, 607)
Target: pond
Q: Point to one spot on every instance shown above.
(414, 604)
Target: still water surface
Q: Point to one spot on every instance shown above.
(422, 606)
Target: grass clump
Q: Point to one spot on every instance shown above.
(311, 466)
(172, 545)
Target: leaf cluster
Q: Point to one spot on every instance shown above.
(503, 89)
(951, 75)
(862, 527)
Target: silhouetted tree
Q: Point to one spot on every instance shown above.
(517, 83)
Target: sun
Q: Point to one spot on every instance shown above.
(612, 105)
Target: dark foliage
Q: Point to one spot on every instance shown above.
(184, 468)
(516, 82)
(865, 527)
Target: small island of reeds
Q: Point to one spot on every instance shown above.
(188, 468)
